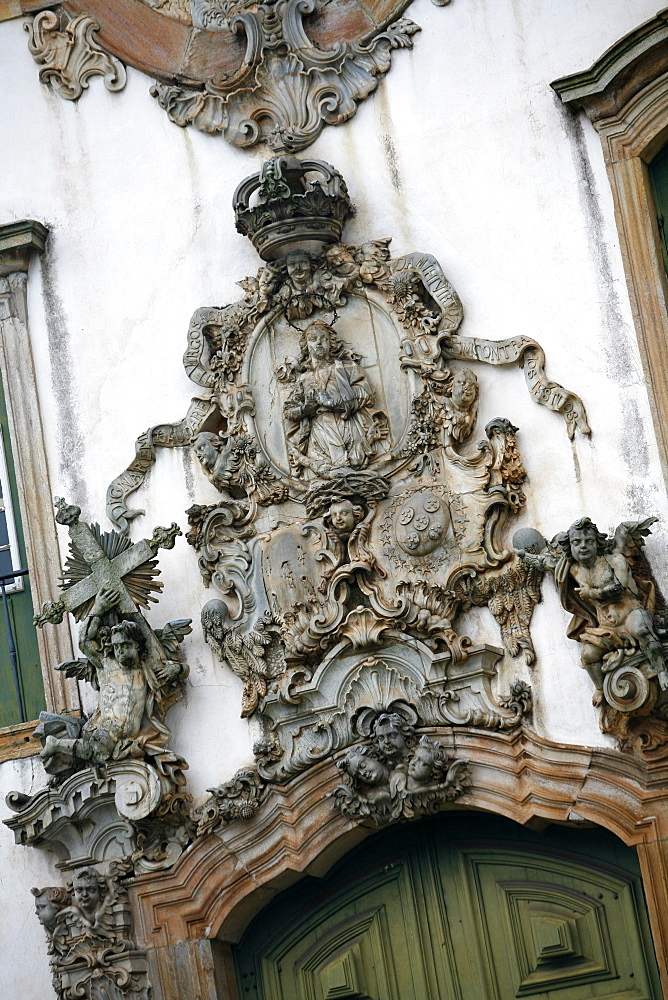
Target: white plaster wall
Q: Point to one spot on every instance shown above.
(464, 152)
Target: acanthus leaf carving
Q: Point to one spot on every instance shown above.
(70, 55)
(238, 798)
(356, 511)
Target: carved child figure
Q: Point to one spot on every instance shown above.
(461, 406)
(135, 678)
(213, 454)
(596, 584)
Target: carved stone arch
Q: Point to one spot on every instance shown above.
(625, 96)
(188, 917)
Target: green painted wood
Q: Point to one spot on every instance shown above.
(21, 614)
(461, 907)
(658, 172)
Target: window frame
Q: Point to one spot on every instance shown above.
(20, 243)
(625, 96)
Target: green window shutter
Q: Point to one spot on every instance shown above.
(658, 172)
(19, 598)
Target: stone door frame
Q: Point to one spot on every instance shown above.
(189, 917)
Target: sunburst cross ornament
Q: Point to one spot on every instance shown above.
(105, 560)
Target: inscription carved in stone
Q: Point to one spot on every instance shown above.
(359, 513)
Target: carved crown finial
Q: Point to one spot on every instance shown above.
(296, 203)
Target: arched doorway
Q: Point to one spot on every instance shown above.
(464, 905)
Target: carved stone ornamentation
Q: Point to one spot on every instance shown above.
(90, 939)
(70, 55)
(358, 518)
(236, 799)
(619, 618)
(287, 88)
(398, 774)
(309, 718)
(113, 768)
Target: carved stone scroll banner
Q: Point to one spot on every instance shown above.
(357, 513)
(530, 355)
(274, 72)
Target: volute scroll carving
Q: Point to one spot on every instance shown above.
(619, 618)
(266, 71)
(116, 789)
(338, 426)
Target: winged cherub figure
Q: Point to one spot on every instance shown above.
(612, 611)
(138, 676)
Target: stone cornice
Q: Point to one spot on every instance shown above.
(18, 242)
(621, 72)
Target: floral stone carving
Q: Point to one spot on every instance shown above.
(90, 939)
(619, 618)
(398, 775)
(118, 758)
(357, 514)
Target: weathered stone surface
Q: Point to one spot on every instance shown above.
(117, 791)
(619, 618)
(90, 938)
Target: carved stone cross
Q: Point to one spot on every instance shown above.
(105, 573)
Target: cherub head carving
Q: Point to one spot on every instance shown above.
(583, 542)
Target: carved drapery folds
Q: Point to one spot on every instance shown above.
(355, 509)
(89, 932)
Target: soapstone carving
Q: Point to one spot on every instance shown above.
(336, 418)
(287, 88)
(239, 798)
(70, 55)
(114, 769)
(618, 617)
(330, 421)
(90, 939)
(253, 655)
(398, 775)
(135, 669)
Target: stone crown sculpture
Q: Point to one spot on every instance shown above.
(298, 203)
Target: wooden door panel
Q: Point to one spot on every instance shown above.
(433, 911)
(546, 923)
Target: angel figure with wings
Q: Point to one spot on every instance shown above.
(612, 608)
(138, 674)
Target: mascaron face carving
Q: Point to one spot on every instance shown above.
(336, 416)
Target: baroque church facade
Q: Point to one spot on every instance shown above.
(334, 527)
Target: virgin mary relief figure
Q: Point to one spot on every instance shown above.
(331, 421)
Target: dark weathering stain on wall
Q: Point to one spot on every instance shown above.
(71, 442)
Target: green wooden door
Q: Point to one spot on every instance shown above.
(461, 907)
